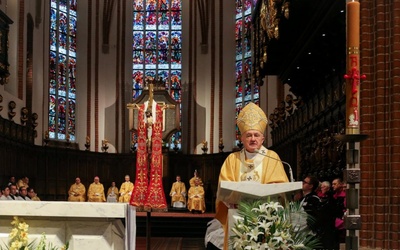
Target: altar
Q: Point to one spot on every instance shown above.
(84, 225)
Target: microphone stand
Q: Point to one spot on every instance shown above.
(284, 162)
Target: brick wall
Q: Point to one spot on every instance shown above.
(380, 115)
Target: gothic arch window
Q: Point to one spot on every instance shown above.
(245, 90)
(62, 58)
(157, 48)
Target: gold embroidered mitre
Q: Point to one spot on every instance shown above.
(252, 117)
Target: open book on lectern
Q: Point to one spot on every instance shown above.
(233, 192)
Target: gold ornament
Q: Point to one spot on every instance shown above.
(252, 117)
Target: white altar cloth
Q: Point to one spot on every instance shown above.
(85, 225)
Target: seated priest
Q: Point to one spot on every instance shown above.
(196, 202)
(77, 191)
(125, 192)
(178, 193)
(195, 177)
(96, 191)
(253, 163)
(23, 182)
(112, 193)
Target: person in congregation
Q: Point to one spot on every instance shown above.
(339, 199)
(196, 202)
(23, 194)
(253, 163)
(32, 194)
(23, 182)
(126, 190)
(319, 206)
(324, 189)
(310, 200)
(5, 191)
(112, 193)
(13, 191)
(96, 191)
(11, 181)
(77, 191)
(327, 216)
(195, 177)
(178, 193)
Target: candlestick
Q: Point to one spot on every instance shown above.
(130, 119)
(353, 75)
(205, 148)
(105, 145)
(87, 144)
(46, 137)
(46, 134)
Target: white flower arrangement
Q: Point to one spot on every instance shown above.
(269, 225)
(18, 238)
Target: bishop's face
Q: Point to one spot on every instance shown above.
(252, 140)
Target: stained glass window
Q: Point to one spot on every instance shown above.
(157, 48)
(62, 58)
(245, 90)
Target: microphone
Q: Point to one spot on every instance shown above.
(284, 162)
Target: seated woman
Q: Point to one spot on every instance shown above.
(178, 193)
(196, 201)
(32, 194)
(112, 193)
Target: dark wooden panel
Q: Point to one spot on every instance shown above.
(52, 170)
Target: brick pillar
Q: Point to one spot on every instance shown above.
(380, 115)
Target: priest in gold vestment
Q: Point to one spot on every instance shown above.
(23, 182)
(249, 164)
(178, 193)
(96, 191)
(196, 200)
(126, 189)
(77, 191)
(194, 178)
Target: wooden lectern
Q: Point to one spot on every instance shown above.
(233, 192)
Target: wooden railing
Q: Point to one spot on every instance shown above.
(306, 139)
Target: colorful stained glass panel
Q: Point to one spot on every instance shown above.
(62, 69)
(157, 44)
(245, 90)
(163, 20)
